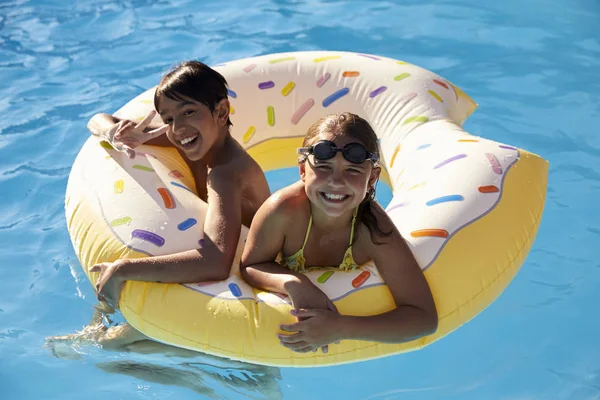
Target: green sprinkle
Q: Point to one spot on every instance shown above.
(278, 60)
(401, 76)
(106, 145)
(323, 278)
(415, 119)
(120, 221)
(143, 168)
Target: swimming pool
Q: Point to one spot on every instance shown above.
(533, 73)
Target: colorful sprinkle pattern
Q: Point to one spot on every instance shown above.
(333, 86)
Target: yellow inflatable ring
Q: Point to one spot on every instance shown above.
(468, 207)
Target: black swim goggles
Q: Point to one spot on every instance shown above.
(325, 150)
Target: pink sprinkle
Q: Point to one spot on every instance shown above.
(323, 79)
(302, 110)
(494, 163)
(249, 68)
(368, 56)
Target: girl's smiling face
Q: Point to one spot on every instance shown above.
(337, 186)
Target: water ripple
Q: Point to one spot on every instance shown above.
(62, 172)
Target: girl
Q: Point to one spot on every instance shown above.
(330, 219)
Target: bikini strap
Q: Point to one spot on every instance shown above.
(352, 229)
(307, 233)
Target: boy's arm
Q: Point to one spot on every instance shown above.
(101, 125)
(213, 260)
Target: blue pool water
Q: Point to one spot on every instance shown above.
(532, 66)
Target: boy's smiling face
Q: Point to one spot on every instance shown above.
(193, 128)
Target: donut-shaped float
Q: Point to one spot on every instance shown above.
(468, 207)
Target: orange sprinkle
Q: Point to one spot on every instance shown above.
(488, 189)
(441, 233)
(468, 140)
(175, 174)
(360, 279)
(394, 156)
(350, 74)
(167, 198)
(441, 83)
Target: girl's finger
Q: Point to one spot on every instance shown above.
(294, 338)
(295, 346)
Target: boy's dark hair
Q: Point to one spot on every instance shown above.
(357, 128)
(195, 80)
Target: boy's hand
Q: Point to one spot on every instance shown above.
(109, 283)
(126, 135)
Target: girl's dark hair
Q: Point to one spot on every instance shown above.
(358, 128)
(195, 80)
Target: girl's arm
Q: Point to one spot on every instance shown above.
(265, 241)
(415, 314)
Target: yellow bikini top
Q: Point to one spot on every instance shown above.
(296, 261)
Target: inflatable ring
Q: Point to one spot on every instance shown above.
(468, 207)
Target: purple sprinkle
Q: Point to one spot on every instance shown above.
(187, 224)
(201, 243)
(458, 157)
(399, 205)
(368, 56)
(266, 85)
(507, 147)
(231, 93)
(377, 91)
(148, 237)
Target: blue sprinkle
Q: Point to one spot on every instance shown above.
(330, 99)
(423, 146)
(231, 93)
(235, 290)
(445, 199)
(187, 224)
(182, 186)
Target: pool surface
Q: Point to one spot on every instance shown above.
(534, 70)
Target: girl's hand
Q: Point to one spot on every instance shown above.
(317, 328)
(308, 296)
(126, 135)
(109, 283)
